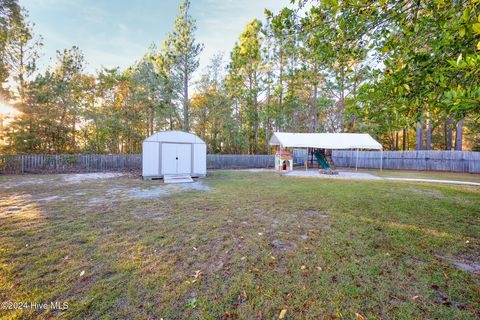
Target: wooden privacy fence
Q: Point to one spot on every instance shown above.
(456, 161)
(38, 163)
(17, 164)
(239, 161)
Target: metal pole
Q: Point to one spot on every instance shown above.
(356, 162)
(308, 156)
(381, 159)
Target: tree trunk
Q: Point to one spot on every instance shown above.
(396, 140)
(280, 79)
(428, 143)
(459, 136)
(404, 137)
(315, 111)
(255, 123)
(419, 135)
(186, 127)
(212, 132)
(341, 111)
(392, 139)
(448, 133)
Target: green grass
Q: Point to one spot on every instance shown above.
(255, 244)
(435, 175)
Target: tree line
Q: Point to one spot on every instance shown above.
(406, 72)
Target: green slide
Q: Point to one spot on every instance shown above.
(321, 160)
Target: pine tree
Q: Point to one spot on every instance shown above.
(185, 52)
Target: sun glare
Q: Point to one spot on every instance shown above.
(7, 110)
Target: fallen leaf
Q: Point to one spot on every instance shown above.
(359, 316)
(82, 273)
(303, 267)
(197, 274)
(282, 314)
(260, 315)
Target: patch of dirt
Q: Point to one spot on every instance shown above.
(95, 201)
(315, 213)
(163, 189)
(21, 182)
(464, 263)
(154, 192)
(80, 177)
(428, 192)
(197, 186)
(283, 246)
(151, 214)
(443, 299)
(52, 198)
(260, 213)
(313, 221)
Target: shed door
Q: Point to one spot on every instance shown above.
(184, 158)
(176, 158)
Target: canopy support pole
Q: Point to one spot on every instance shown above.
(381, 159)
(306, 160)
(356, 162)
(280, 158)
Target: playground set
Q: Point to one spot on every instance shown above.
(319, 148)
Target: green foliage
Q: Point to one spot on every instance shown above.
(184, 52)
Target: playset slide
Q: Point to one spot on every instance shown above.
(322, 162)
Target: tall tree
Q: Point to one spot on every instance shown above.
(10, 18)
(246, 66)
(185, 51)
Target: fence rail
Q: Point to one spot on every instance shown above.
(456, 161)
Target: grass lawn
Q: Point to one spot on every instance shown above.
(434, 175)
(253, 245)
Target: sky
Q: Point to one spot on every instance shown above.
(118, 33)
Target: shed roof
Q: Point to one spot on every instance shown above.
(174, 137)
(325, 140)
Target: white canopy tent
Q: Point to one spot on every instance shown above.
(335, 141)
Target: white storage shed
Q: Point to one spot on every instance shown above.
(173, 153)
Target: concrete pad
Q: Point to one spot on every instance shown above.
(368, 176)
(466, 183)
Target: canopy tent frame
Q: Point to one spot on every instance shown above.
(333, 141)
